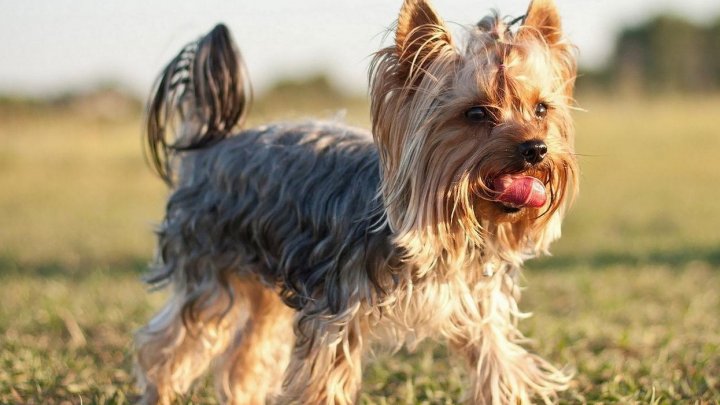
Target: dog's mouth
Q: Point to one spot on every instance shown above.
(515, 191)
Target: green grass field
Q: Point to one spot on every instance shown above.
(630, 300)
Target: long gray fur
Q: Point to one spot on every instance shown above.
(296, 204)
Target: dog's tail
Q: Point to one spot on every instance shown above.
(202, 95)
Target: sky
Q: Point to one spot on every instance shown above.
(51, 46)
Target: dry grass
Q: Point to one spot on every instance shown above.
(74, 193)
(648, 186)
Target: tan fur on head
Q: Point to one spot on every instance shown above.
(436, 163)
(291, 247)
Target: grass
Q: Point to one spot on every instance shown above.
(629, 301)
(647, 188)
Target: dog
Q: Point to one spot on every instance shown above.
(291, 248)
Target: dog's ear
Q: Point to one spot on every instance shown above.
(421, 36)
(543, 16)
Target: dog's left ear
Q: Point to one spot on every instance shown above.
(420, 38)
(543, 16)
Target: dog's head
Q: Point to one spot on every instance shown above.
(475, 137)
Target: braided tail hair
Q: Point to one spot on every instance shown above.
(200, 98)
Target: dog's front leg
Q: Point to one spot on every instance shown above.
(501, 370)
(325, 365)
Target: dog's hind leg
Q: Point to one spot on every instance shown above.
(325, 366)
(251, 369)
(173, 350)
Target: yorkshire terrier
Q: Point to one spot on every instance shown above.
(290, 248)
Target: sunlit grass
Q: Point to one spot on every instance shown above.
(630, 334)
(648, 184)
(74, 192)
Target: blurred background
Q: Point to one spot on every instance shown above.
(629, 300)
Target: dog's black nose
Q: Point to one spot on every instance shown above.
(533, 152)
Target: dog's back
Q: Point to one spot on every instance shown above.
(292, 203)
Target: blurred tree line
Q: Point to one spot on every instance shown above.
(664, 54)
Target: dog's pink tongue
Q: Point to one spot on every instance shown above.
(520, 191)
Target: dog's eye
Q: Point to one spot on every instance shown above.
(477, 114)
(541, 110)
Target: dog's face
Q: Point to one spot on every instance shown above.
(479, 134)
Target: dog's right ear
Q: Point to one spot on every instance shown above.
(420, 37)
(543, 16)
